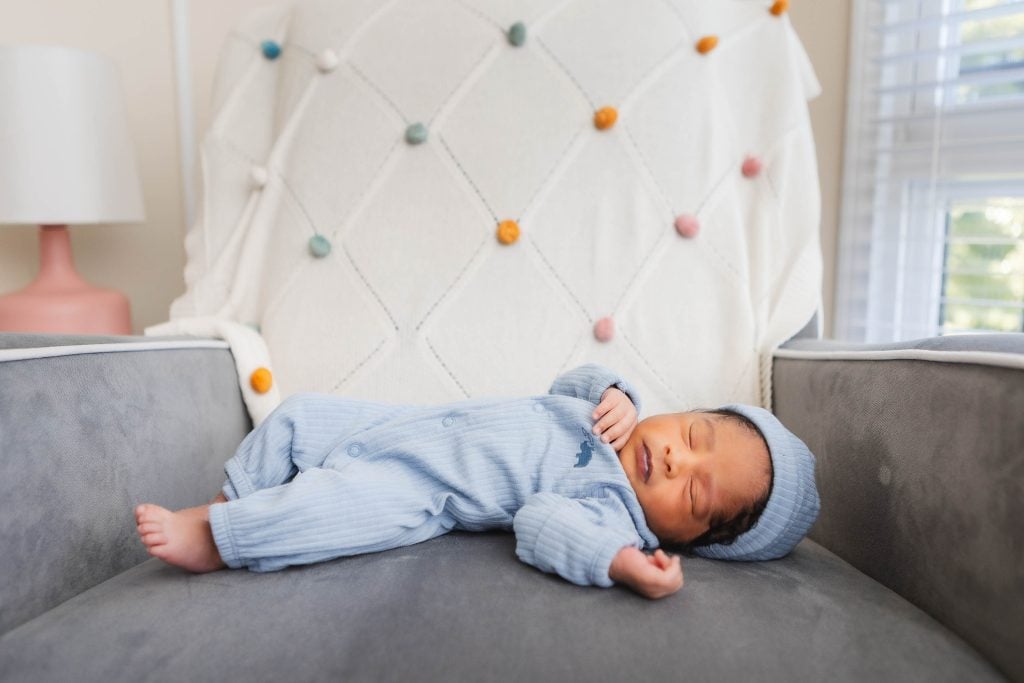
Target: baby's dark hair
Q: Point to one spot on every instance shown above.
(725, 531)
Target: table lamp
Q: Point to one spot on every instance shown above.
(65, 158)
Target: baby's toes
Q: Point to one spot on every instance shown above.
(154, 538)
(158, 550)
(148, 527)
(148, 512)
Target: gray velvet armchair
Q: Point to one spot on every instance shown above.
(912, 572)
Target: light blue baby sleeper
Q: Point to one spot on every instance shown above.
(370, 476)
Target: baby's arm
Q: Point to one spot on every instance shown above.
(579, 539)
(590, 382)
(653, 576)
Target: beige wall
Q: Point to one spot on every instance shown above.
(146, 261)
(824, 28)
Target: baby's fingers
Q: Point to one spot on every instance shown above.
(612, 417)
(603, 407)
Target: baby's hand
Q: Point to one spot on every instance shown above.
(653, 576)
(617, 418)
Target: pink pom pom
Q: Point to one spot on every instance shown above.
(751, 166)
(687, 225)
(604, 329)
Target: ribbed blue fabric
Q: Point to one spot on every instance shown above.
(325, 476)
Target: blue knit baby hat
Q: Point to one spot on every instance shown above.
(792, 504)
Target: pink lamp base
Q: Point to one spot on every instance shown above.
(59, 300)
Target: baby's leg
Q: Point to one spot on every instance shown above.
(297, 435)
(323, 514)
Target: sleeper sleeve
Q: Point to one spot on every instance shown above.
(574, 538)
(590, 381)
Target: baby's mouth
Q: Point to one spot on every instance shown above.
(646, 462)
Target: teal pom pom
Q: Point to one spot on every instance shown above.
(271, 50)
(517, 33)
(416, 133)
(319, 246)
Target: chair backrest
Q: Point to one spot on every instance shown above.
(433, 200)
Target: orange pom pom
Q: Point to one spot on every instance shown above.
(707, 44)
(261, 380)
(508, 232)
(605, 117)
(779, 7)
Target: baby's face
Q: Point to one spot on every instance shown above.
(700, 466)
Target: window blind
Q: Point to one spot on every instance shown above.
(932, 217)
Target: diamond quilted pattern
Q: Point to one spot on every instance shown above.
(246, 120)
(405, 372)
(287, 251)
(507, 148)
(751, 87)
(328, 23)
(686, 141)
(441, 216)
(608, 45)
(417, 300)
(722, 18)
(504, 13)
(342, 123)
(698, 341)
(295, 71)
(578, 223)
(420, 76)
(328, 303)
(488, 331)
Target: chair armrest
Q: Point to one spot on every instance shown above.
(920, 450)
(89, 428)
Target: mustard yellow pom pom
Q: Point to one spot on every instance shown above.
(261, 380)
(508, 232)
(707, 44)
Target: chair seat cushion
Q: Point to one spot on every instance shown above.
(462, 607)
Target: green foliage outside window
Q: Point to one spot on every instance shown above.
(983, 278)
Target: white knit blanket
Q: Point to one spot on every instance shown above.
(418, 300)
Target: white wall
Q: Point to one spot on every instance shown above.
(146, 261)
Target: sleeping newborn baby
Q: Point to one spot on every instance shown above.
(584, 487)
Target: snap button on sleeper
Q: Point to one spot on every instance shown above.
(707, 44)
(448, 421)
(416, 133)
(687, 225)
(779, 7)
(319, 246)
(261, 380)
(517, 33)
(259, 176)
(751, 166)
(327, 60)
(508, 232)
(604, 118)
(271, 50)
(538, 408)
(355, 449)
(604, 329)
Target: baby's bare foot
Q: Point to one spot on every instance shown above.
(181, 538)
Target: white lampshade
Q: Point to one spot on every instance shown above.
(65, 154)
